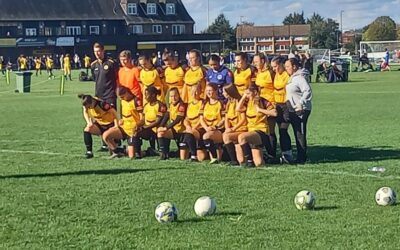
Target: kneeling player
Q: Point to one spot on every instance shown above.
(131, 112)
(153, 114)
(257, 111)
(174, 127)
(103, 115)
(212, 122)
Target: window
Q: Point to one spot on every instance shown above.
(73, 31)
(157, 29)
(178, 29)
(282, 38)
(263, 39)
(282, 47)
(151, 9)
(48, 31)
(30, 32)
(137, 29)
(246, 40)
(94, 30)
(132, 9)
(170, 8)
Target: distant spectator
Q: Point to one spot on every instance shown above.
(307, 63)
(76, 61)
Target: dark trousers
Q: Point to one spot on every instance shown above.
(299, 124)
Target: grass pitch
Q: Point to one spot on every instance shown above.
(52, 198)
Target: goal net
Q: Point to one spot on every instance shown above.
(321, 55)
(376, 50)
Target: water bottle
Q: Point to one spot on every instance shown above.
(377, 169)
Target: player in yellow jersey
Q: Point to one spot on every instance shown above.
(49, 66)
(212, 122)
(265, 82)
(174, 127)
(153, 114)
(38, 66)
(131, 115)
(2, 68)
(257, 111)
(235, 124)
(87, 63)
(67, 66)
(173, 73)
(194, 76)
(192, 137)
(243, 74)
(23, 63)
(150, 76)
(280, 81)
(99, 116)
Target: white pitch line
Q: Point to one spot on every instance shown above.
(338, 173)
(30, 152)
(36, 84)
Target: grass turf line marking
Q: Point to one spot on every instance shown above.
(36, 84)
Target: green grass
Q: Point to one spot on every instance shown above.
(52, 198)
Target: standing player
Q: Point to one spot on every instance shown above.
(38, 65)
(173, 73)
(194, 76)
(23, 63)
(2, 68)
(265, 83)
(49, 66)
(86, 61)
(129, 74)
(282, 119)
(150, 76)
(67, 67)
(103, 115)
(174, 127)
(243, 74)
(131, 112)
(218, 75)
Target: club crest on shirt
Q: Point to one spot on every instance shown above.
(105, 67)
(219, 77)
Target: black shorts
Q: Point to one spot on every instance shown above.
(146, 134)
(103, 128)
(264, 138)
(283, 113)
(179, 138)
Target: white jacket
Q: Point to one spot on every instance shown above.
(298, 90)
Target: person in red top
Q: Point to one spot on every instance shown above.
(128, 74)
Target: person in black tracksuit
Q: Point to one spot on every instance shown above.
(104, 73)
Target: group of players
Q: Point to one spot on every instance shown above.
(48, 63)
(213, 113)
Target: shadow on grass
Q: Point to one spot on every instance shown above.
(332, 154)
(321, 208)
(227, 213)
(208, 218)
(193, 220)
(76, 173)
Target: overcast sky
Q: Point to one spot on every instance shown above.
(357, 13)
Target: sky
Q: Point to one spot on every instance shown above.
(356, 13)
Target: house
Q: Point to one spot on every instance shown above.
(272, 39)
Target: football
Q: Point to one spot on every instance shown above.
(166, 212)
(385, 196)
(205, 206)
(304, 200)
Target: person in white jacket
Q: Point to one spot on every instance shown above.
(298, 95)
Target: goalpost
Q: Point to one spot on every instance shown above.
(376, 50)
(321, 55)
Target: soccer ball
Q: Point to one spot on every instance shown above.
(385, 196)
(166, 212)
(304, 200)
(205, 206)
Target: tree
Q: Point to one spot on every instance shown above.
(382, 29)
(295, 18)
(222, 26)
(324, 33)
